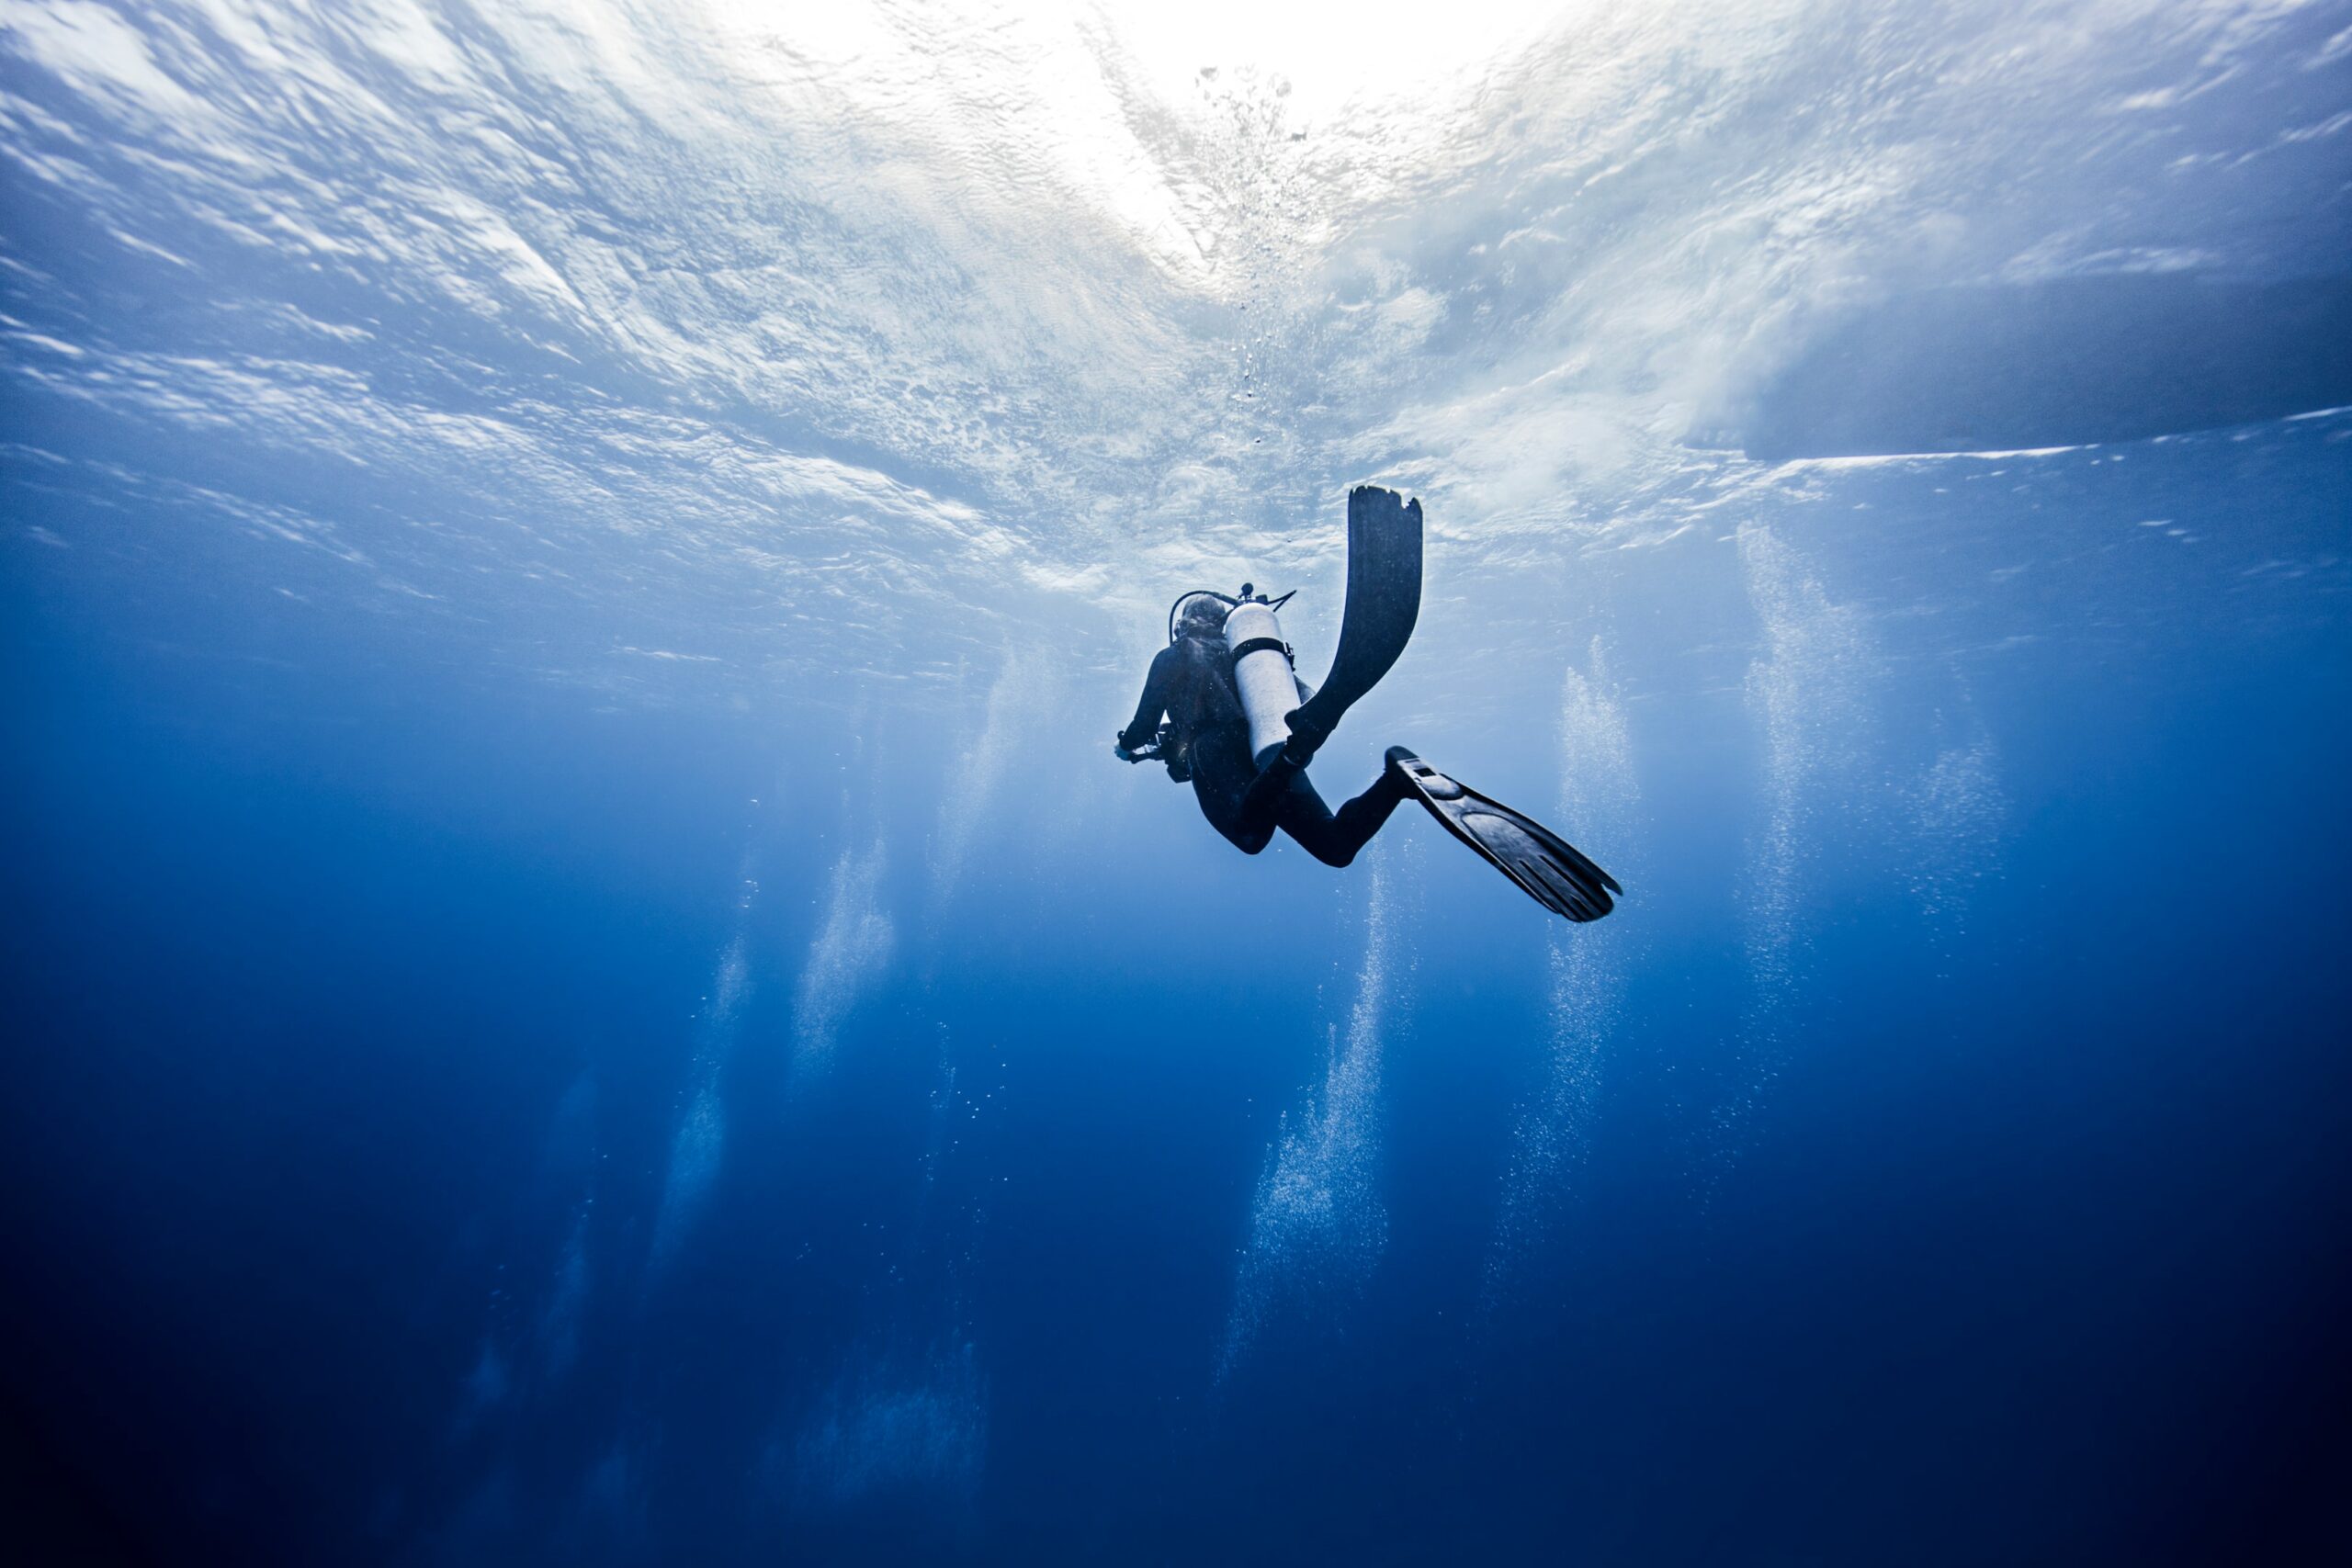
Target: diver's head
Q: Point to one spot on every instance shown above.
(1203, 619)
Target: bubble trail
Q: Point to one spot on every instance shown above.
(1599, 801)
(850, 951)
(700, 1140)
(1805, 691)
(1318, 1227)
(1020, 699)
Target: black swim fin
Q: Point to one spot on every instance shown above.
(1551, 871)
(1384, 602)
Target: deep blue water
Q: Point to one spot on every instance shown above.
(585, 987)
(356, 1007)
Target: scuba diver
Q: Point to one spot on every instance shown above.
(1241, 726)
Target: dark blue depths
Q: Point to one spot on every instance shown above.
(359, 1004)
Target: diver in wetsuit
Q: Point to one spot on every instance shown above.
(1242, 727)
(1191, 683)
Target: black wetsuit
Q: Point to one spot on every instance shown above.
(1191, 683)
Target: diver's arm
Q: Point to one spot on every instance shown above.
(1157, 688)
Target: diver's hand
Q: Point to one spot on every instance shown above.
(1119, 750)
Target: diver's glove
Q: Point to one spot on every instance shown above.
(1119, 750)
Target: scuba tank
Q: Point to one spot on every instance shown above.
(1262, 671)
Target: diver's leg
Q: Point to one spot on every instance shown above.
(1261, 806)
(1360, 818)
(1332, 838)
(1247, 824)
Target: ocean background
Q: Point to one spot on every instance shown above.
(583, 986)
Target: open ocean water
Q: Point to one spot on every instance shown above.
(583, 986)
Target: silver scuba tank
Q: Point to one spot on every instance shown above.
(1262, 671)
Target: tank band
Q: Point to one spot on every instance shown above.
(1242, 650)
